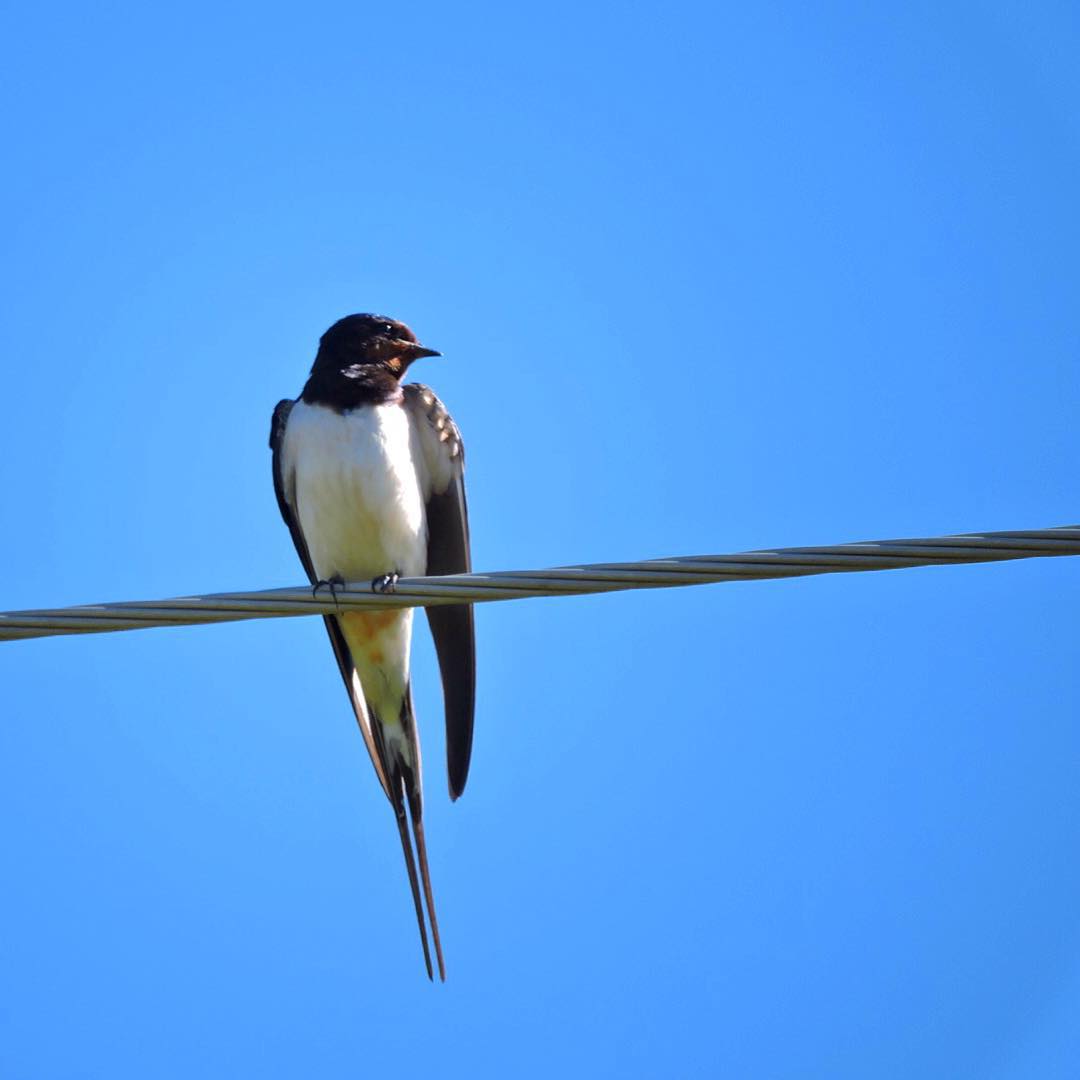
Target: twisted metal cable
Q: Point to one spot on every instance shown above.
(559, 581)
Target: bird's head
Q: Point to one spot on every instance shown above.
(368, 341)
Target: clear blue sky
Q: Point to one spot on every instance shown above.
(706, 277)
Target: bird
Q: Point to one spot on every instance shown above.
(369, 478)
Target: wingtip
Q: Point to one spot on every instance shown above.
(456, 779)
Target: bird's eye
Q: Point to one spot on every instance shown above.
(388, 330)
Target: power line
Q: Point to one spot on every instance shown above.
(559, 581)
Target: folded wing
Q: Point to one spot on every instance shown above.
(441, 455)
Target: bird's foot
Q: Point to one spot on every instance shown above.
(332, 583)
(386, 583)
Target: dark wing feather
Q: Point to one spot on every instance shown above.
(453, 631)
(277, 439)
(452, 627)
(282, 489)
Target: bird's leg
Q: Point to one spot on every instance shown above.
(385, 583)
(332, 583)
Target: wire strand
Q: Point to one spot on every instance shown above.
(558, 581)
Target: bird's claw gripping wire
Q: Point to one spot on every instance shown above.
(332, 583)
(385, 583)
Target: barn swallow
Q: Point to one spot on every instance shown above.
(369, 477)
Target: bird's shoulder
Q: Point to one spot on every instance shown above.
(439, 435)
(279, 420)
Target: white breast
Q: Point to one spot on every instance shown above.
(355, 490)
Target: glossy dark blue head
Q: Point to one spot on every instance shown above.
(369, 339)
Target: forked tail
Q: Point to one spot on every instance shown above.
(406, 786)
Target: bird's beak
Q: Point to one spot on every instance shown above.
(413, 351)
